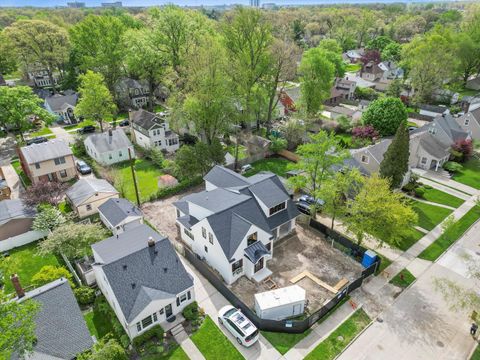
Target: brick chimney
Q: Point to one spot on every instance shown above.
(110, 132)
(17, 286)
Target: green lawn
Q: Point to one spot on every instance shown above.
(284, 341)
(470, 174)
(44, 131)
(80, 125)
(403, 279)
(158, 108)
(98, 323)
(437, 248)
(147, 179)
(18, 169)
(334, 344)
(276, 165)
(476, 354)
(213, 344)
(384, 263)
(242, 151)
(441, 197)
(413, 236)
(25, 262)
(429, 216)
(353, 67)
(90, 324)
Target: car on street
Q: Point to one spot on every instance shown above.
(37, 140)
(239, 325)
(124, 123)
(246, 168)
(86, 129)
(83, 168)
(303, 207)
(310, 200)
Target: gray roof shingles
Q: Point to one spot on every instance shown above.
(104, 142)
(85, 188)
(145, 119)
(48, 150)
(255, 251)
(57, 101)
(14, 209)
(117, 210)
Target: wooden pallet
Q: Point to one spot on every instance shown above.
(312, 277)
(270, 283)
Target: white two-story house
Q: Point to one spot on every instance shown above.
(142, 278)
(152, 130)
(234, 223)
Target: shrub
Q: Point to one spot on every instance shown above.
(419, 192)
(181, 186)
(141, 339)
(365, 132)
(191, 312)
(452, 166)
(462, 149)
(85, 295)
(50, 273)
(385, 115)
(409, 188)
(278, 144)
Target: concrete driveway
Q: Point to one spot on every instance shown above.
(7, 149)
(62, 134)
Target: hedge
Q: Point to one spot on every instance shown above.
(181, 186)
(141, 339)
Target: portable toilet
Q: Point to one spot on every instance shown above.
(369, 258)
(280, 303)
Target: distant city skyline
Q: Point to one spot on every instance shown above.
(142, 3)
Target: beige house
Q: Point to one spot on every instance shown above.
(49, 161)
(86, 195)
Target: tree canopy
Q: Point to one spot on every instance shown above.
(385, 115)
(394, 165)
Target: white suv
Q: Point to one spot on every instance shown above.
(239, 325)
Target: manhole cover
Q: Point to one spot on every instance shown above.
(441, 344)
(340, 338)
(380, 320)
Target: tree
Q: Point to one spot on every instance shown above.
(394, 165)
(336, 190)
(105, 349)
(392, 52)
(48, 219)
(49, 273)
(334, 55)
(379, 212)
(464, 148)
(371, 56)
(379, 43)
(45, 192)
(317, 160)
(16, 105)
(468, 55)
(385, 115)
(96, 101)
(73, 240)
(317, 75)
(298, 30)
(198, 159)
(294, 132)
(145, 60)
(99, 45)
(8, 61)
(395, 88)
(40, 42)
(277, 144)
(17, 326)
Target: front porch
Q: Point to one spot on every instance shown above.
(261, 275)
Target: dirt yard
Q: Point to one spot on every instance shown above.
(304, 251)
(162, 215)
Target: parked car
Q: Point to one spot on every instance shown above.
(239, 325)
(124, 123)
(86, 129)
(245, 168)
(37, 140)
(303, 207)
(310, 200)
(83, 168)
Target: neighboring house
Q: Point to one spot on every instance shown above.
(234, 223)
(142, 278)
(433, 110)
(470, 103)
(86, 195)
(363, 105)
(152, 130)
(346, 87)
(49, 161)
(120, 215)
(60, 329)
(473, 83)
(109, 147)
(390, 70)
(16, 222)
(371, 72)
(470, 122)
(9, 183)
(62, 106)
(39, 77)
(354, 56)
(135, 93)
(446, 96)
(338, 111)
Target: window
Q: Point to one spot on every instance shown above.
(147, 321)
(189, 295)
(155, 317)
(120, 153)
(173, 141)
(210, 238)
(189, 234)
(182, 298)
(37, 165)
(204, 233)
(277, 208)
(161, 311)
(467, 122)
(110, 156)
(205, 248)
(365, 159)
(60, 160)
(63, 173)
(89, 207)
(252, 238)
(237, 267)
(235, 327)
(269, 246)
(139, 327)
(424, 160)
(432, 130)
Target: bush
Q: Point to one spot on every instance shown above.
(277, 144)
(409, 188)
(50, 273)
(452, 166)
(85, 295)
(191, 312)
(419, 192)
(141, 339)
(181, 186)
(385, 115)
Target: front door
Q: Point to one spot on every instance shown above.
(258, 265)
(168, 311)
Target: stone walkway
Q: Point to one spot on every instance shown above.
(449, 183)
(444, 188)
(191, 350)
(430, 202)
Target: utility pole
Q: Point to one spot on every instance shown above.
(132, 163)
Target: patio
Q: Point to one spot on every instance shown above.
(306, 251)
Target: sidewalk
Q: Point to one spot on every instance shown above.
(444, 181)
(191, 350)
(320, 332)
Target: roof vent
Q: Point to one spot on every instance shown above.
(165, 270)
(151, 242)
(133, 285)
(124, 267)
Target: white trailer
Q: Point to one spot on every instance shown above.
(280, 303)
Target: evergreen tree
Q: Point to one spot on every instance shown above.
(394, 165)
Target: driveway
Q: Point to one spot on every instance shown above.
(62, 134)
(7, 149)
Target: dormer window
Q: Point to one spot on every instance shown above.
(432, 130)
(467, 122)
(365, 159)
(277, 208)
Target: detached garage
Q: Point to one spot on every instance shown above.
(280, 303)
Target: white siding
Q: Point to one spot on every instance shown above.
(22, 239)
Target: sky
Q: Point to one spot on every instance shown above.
(50, 3)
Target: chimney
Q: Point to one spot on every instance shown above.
(110, 132)
(130, 115)
(151, 242)
(17, 286)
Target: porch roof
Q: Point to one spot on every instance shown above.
(256, 251)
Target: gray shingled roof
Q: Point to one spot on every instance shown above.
(60, 330)
(451, 127)
(48, 150)
(85, 188)
(433, 108)
(139, 274)
(223, 177)
(216, 200)
(103, 142)
(57, 101)
(14, 209)
(255, 251)
(433, 147)
(269, 193)
(117, 210)
(145, 119)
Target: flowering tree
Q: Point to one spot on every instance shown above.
(462, 150)
(45, 192)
